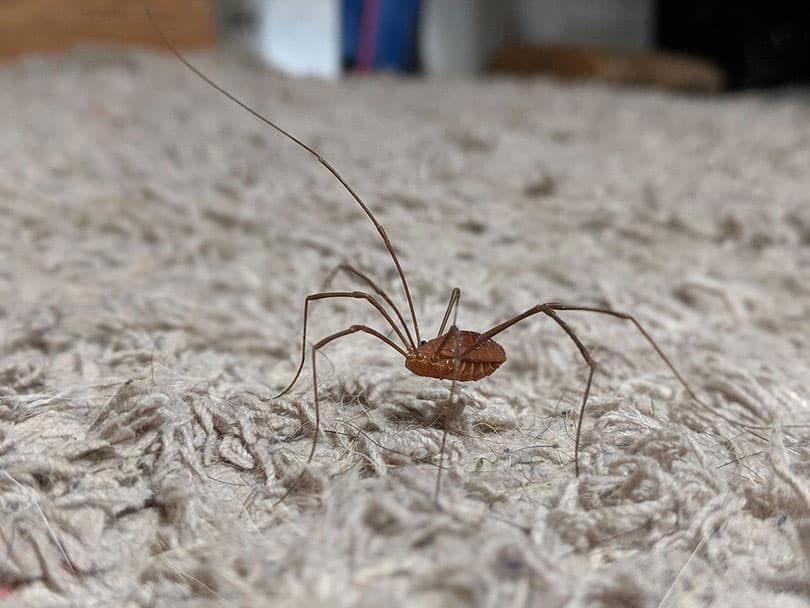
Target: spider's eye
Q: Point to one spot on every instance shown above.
(422, 342)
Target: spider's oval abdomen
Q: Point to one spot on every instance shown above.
(435, 358)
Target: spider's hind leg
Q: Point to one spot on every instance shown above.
(549, 309)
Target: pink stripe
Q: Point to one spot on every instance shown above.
(368, 35)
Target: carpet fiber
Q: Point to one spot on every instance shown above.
(157, 247)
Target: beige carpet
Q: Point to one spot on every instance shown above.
(157, 245)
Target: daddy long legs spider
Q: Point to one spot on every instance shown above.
(453, 354)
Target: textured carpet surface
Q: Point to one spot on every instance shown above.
(158, 243)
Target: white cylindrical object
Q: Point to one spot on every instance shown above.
(300, 37)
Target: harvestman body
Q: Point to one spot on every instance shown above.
(456, 355)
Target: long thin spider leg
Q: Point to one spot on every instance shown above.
(493, 331)
(551, 306)
(451, 410)
(557, 306)
(591, 367)
(340, 294)
(320, 344)
(455, 296)
(647, 336)
(449, 334)
(351, 270)
(312, 151)
(664, 358)
(549, 311)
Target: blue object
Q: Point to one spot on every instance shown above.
(396, 29)
(350, 34)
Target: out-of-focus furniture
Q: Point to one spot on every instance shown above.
(459, 37)
(28, 26)
(629, 67)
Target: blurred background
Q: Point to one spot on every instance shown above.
(694, 45)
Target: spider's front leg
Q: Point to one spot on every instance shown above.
(452, 306)
(341, 294)
(357, 274)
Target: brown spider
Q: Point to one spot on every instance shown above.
(455, 355)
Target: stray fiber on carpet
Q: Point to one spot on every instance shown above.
(158, 243)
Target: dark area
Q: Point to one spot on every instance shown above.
(758, 44)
